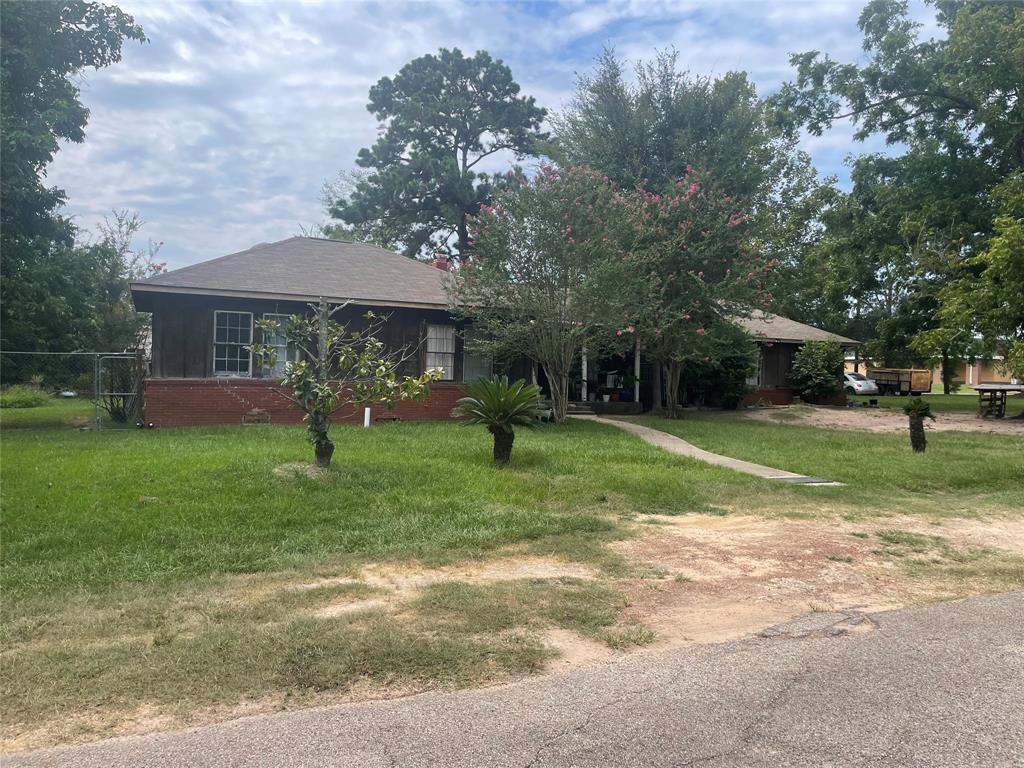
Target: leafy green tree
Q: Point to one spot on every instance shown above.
(963, 88)
(718, 366)
(116, 326)
(44, 47)
(1013, 364)
(501, 407)
(909, 237)
(987, 295)
(443, 115)
(817, 370)
(341, 365)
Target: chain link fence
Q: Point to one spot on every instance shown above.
(85, 390)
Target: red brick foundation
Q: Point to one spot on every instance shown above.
(197, 402)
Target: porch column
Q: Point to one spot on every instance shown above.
(583, 366)
(636, 373)
(533, 371)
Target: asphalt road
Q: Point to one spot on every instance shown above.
(939, 686)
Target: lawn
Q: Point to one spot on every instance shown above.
(158, 568)
(961, 472)
(58, 413)
(182, 572)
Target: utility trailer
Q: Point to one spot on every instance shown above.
(901, 381)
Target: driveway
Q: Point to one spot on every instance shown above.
(938, 686)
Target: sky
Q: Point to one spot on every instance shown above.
(222, 130)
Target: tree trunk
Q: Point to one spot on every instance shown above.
(947, 373)
(463, 231)
(503, 447)
(318, 425)
(917, 437)
(657, 402)
(323, 452)
(558, 383)
(673, 373)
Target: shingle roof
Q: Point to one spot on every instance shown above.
(310, 267)
(765, 325)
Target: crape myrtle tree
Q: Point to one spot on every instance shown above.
(646, 130)
(691, 272)
(442, 116)
(537, 284)
(341, 365)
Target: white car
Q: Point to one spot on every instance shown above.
(859, 384)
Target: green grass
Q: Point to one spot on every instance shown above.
(584, 606)
(158, 567)
(961, 472)
(962, 571)
(58, 413)
(965, 401)
(93, 510)
(148, 567)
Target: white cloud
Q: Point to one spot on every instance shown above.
(222, 129)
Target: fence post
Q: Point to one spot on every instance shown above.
(96, 387)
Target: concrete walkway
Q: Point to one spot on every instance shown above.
(677, 445)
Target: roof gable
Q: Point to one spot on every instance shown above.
(765, 325)
(307, 268)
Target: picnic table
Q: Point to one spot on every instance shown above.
(992, 398)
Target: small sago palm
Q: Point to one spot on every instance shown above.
(917, 411)
(501, 407)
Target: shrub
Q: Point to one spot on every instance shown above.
(717, 373)
(817, 370)
(23, 396)
(500, 407)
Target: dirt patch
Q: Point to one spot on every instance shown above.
(1006, 534)
(400, 583)
(411, 577)
(733, 576)
(575, 651)
(79, 728)
(882, 420)
(716, 578)
(295, 469)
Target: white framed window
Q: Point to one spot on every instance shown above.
(475, 365)
(232, 335)
(441, 350)
(285, 352)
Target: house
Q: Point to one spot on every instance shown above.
(203, 319)
(779, 339)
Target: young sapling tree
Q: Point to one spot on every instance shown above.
(341, 365)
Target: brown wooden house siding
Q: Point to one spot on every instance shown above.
(183, 331)
(183, 390)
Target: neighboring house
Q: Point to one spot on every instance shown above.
(975, 372)
(965, 372)
(779, 339)
(204, 318)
